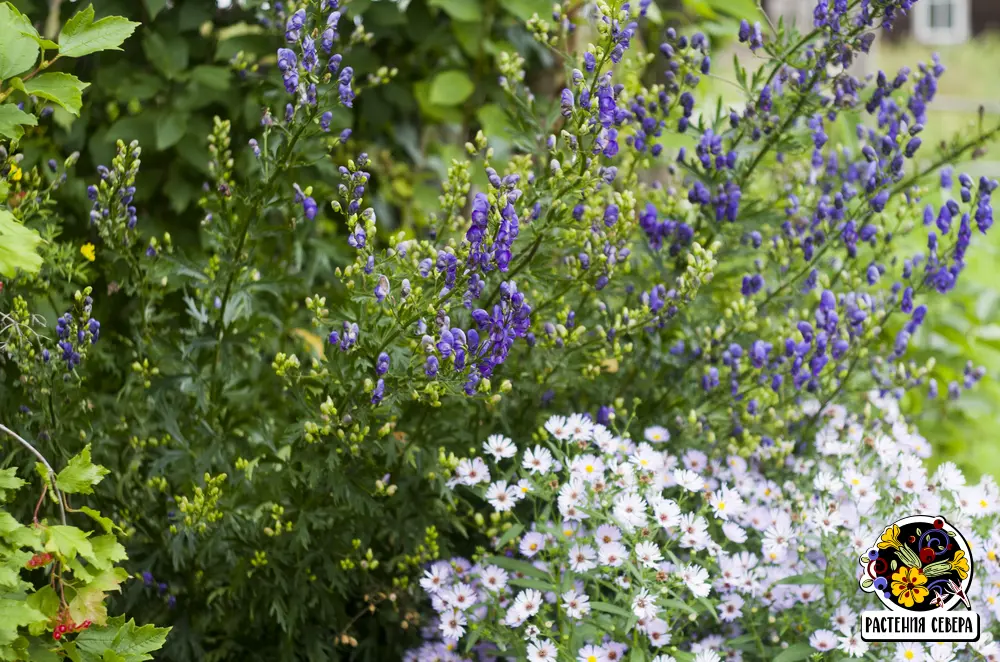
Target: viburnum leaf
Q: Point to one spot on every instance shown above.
(9, 481)
(104, 522)
(80, 475)
(58, 87)
(107, 551)
(88, 605)
(15, 614)
(127, 640)
(13, 120)
(18, 246)
(68, 541)
(18, 49)
(82, 35)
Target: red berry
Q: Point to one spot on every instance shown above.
(926, 555)
(938, 524)
(57, 635)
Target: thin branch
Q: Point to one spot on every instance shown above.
(41, 458)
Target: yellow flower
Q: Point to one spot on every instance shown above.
(890, 538)
(908, 586)
(15, 173)
(88, 251)
(960, 564)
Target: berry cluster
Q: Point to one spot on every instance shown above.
(68, 626)
(38, 561)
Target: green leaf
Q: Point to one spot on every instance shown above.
(534, 583)
(80, 475)
(795, 652)
(82, 36)
(511, 533)
(68, 541)
(18, 246)
(450, 88)
(130, 642)
(15, 614)
(104, 522)
(610, 609)
(169, 56)
(524, 9)
(9, 480)
(460, 10)
(154, 7)
(807, 578)
(18, 48)
(216, 78)
(57, 87)
(107, 552)
(170, 129)
(678, 604)
(515, 565)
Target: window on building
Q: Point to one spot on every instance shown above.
(941, 21)
(941, 17)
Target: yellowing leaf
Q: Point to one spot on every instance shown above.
(313, 343)
(18, 246)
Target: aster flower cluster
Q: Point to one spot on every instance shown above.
(605, 546)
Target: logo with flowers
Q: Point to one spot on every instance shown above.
(920, 563)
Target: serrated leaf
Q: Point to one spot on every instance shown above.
(9, 479)
(107, 552)
(58, 87)
(18, 246)
(13, 120)
(88, 605)
(68, 541)
(127, 640)
(82, 36)
(102, 521)
(461, 10)
(18, 48)
(81, 474)
(450, 88)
